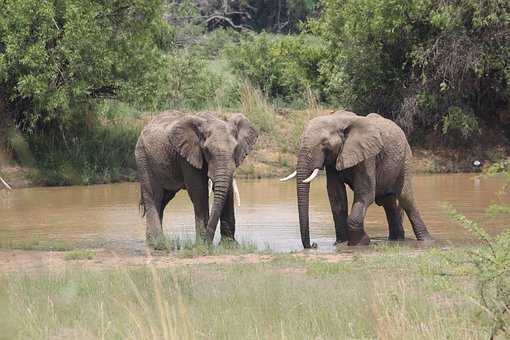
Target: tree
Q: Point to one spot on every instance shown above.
(416, 61)
(58, 58)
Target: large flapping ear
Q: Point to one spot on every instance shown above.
(362, 141)
(245, 134)
(186, 137)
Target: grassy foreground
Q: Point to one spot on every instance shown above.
(392, 293)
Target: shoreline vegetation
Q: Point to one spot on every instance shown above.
(105, 154)
(387, 291)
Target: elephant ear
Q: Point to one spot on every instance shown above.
(245, 134)
(362, 141)
(186, 137)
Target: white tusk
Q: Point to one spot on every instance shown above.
(312, 176)
(5, 184)
(292, 175)
(237, 197)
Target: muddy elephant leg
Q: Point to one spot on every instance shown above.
(153, 202)
(227, 218)
(364, 195)
(196, 184)
(406, 201)
(338, 202)
(394, 217)
(355, 230)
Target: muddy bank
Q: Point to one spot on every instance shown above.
(104, 259)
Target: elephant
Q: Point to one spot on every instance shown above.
(372, 156)
(178, 151)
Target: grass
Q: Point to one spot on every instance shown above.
(379, 295)
(80, 255)
(188, 248)
(49, 245)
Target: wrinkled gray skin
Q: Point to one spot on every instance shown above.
(176, 151)
(371, 155)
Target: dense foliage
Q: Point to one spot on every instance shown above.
(58, 58)
(418, 61)
(282, 66)
(442, 65)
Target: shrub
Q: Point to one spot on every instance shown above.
(461, 122)
(414, 60)
(282, 66)
(489, 266)
(57, 58)
(101, 154)
(190, 83)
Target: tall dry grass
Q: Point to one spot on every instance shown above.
(386, 297)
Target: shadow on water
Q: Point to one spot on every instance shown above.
(108, 214)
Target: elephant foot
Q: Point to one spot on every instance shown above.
(400, 237)
(358, 238)
(310, 246)
(424, 236)
(339, 242)
(157, 242)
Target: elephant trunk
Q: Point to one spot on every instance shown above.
(303, 192)
(222, 181)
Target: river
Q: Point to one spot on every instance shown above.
(267, 217)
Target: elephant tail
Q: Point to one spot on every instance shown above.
(141, 206)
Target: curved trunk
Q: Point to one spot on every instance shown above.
(221, 185)
(303, 193)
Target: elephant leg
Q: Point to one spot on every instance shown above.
(394, 217)
(338, 202)
(364, 195)
(407, 202)
(227, 217)
(196, 184)
(153, 202)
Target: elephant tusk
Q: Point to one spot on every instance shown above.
(292, 175)
(210, 187)
(237, 197)
(312, 176)
(5, 183)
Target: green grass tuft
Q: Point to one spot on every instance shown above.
(80, 255)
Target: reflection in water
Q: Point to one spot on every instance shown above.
(267, 217)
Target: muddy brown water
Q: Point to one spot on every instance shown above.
(267, 217)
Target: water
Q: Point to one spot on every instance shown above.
(267, 216)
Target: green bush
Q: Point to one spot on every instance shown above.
(190, 83)
(282, 66)
(489, 266)
(101, 154)
(461, 122)
(414, 60)
(58, 58)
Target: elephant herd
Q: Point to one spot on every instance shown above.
(370, 154)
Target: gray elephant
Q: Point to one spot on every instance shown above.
(371, 155)
(177, 151)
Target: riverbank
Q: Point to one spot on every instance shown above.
(383, 292)
(104, 154)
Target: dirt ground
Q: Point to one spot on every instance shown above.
(103, 259)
